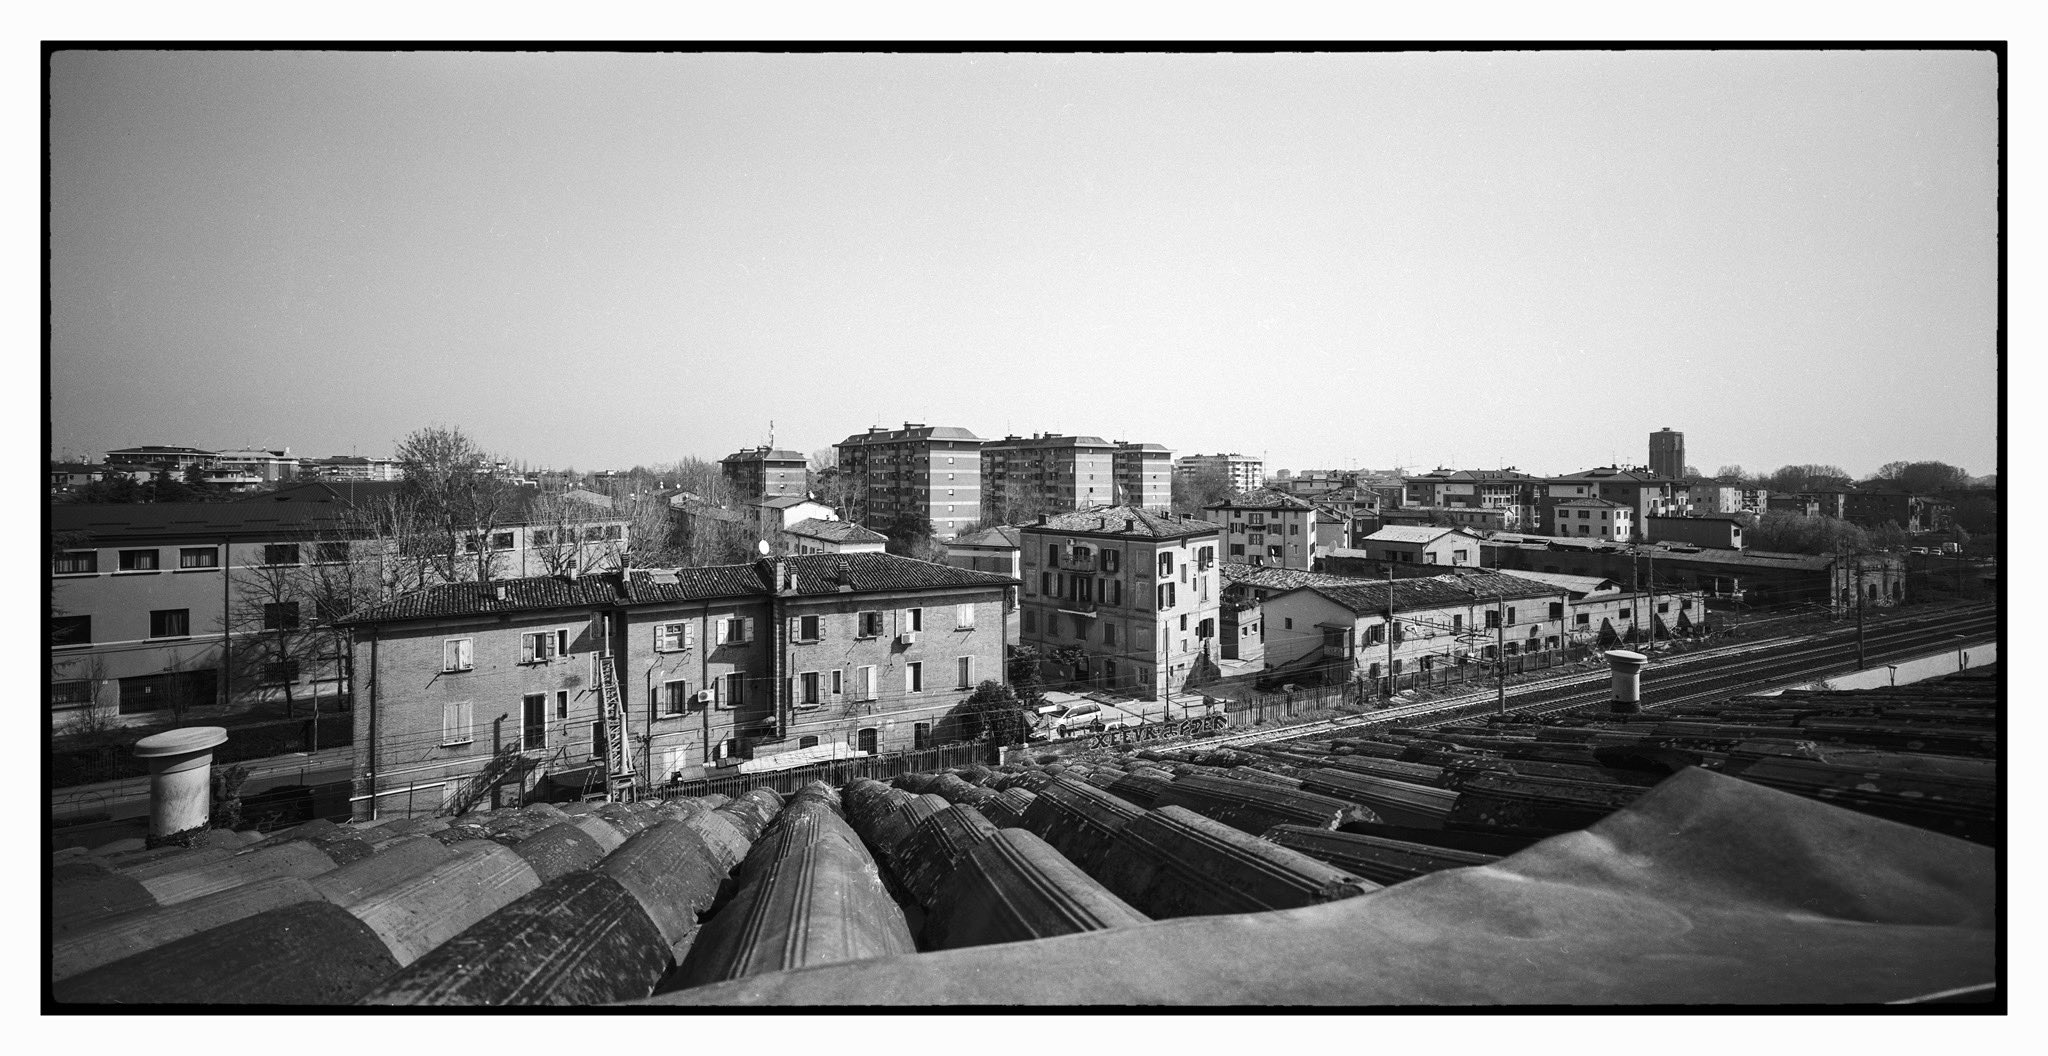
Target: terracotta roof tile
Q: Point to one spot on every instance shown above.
(835, 531)
(1124, 521)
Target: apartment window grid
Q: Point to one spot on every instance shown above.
(138, 561)
(170, 623)
(75, 563)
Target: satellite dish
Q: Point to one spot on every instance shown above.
(762, 546)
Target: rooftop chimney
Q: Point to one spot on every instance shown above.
(1627, 678)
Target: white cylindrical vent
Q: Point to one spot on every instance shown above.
(180, 776)
(1627, 670)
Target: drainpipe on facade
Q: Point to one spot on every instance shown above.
(227, 571)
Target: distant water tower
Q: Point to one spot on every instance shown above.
(1667, 453)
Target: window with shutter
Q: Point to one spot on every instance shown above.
(456, 723)
(963, 617)
(914, 619)
(864, 682)
(455, 654)
(966, 672)
(913, 677)
(838, 682)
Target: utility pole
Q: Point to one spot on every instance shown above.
(1860, 662)
(1500, 655)
(1390, 630)
(1651, 557)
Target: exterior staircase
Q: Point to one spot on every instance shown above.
(621, 783)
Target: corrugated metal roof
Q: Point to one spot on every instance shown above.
(1575, 584)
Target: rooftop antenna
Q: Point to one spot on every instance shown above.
(771, 432)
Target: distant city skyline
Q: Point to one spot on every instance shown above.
(1463, 259)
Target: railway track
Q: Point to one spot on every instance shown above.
(1690, 678)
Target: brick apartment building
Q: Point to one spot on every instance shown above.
(902, 480)
(1144, 475)
(1645, 494)
(758, 473)
(153, 606)
(707, 666)
(1268, 528)
(1244, 472)
(1137, 592)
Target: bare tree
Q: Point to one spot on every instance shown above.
(461, 500)
(266, 619)
(557, 520)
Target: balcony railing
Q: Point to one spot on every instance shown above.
(1078, 607)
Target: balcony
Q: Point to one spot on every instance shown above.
(1077, 607)
(1073, 562)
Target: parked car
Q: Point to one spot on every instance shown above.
(1066, 720)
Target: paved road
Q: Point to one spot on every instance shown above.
(129, 797)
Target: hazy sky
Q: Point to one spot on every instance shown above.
(1468, 259)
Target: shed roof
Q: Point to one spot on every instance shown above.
(1369, 597)
(1414, 533)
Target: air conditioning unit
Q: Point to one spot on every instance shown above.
(907, 638)
(705, 696)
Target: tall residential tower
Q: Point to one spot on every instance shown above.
(1667, 454)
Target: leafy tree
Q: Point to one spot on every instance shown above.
(1026, 672)
(1731, 475)
(1808, 477)
(1923, 478)
(1205, 487)
(1781, 531)
(995, 711)
(1889, 536)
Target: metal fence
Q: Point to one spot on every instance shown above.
(1255, 706)
(836, 772)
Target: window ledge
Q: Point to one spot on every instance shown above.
(72, 575)
(209, 568)
(139, 572)
(72, 645)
